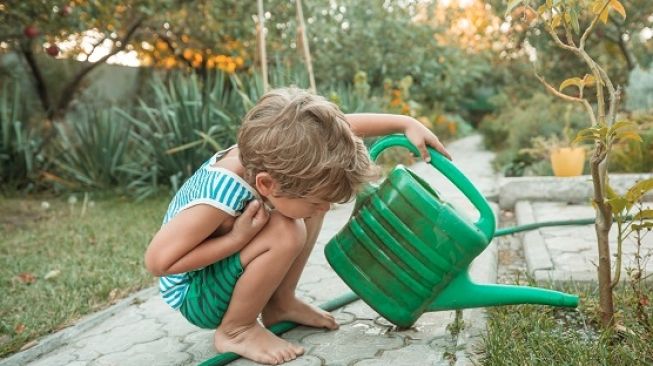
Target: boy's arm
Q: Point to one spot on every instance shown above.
(181, 245)
(376, 124)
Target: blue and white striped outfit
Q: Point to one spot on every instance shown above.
(210, 185)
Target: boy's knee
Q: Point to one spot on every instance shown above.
(291, 233)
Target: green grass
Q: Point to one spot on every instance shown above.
(541, 335)
(97, 247)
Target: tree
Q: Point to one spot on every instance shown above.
(34, 29)
(562, 21)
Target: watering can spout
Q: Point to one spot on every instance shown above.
(463, 293)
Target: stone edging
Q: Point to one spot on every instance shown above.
(56, 340)
(538, 258)
(571, 189)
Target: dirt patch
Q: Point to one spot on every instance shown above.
(15, 214)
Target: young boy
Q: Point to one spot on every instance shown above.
(238, 233)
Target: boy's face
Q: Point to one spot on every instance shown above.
(293, 207)
(298, 208)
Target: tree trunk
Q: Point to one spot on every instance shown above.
(37, 77)
(260, 32)
(602, 226)
(304, 39)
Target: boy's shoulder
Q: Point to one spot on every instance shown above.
(230, 161)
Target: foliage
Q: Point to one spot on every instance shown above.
(514, 125)
(91, 150)
(181, 128)
(34, 27)
(201, 35)
(65, 258)
(635, 156)
(19, 160)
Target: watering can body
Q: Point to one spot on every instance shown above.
(405, 251)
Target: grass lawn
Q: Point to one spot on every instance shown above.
(61, 262)
(540, 335)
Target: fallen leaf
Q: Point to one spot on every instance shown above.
(52, 274)
(643, 300)
(19, 328)
(623, 330)
(29, 344)
(27, 278)
(113, 294)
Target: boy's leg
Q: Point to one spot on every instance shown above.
(283, 304)
(266, 260)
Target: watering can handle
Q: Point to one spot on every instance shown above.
(486, 223)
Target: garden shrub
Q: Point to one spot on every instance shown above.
(514, 124)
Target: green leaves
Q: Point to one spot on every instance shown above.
(602, 9)
(619, 132)
(587, 81)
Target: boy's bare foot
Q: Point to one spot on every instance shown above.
(297, 311)
(257, 344)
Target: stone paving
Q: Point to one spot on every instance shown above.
(144, 330)
(569, 252)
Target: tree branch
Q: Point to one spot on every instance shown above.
(95, 45)
(586, 34)
(569, 98)
(71, 87)
(558, 41)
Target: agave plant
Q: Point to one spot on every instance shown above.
(183, 126)
(91, 149)
(19, 161)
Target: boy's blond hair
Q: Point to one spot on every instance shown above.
(305, 143)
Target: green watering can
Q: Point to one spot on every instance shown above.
(405, 251)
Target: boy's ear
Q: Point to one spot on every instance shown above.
(265, 184)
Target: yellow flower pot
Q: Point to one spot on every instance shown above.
(568, 161)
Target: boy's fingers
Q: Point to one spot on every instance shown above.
(436, 144)
(262, 213)
(424, 152)
(252, 208)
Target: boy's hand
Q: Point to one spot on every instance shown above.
(250, 222)
(422, 137)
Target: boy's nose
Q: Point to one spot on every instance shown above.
(324, 207)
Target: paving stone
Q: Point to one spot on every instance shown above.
(163, 352)
(408, 355)
(61, 357)
(124, 337)
(361, 339)
(304, 360)
(566, 253)
(174, 324)
(314, 273)
(128, 316)
(428, 327)
(200, 346)
(327, 289)
(360, 310)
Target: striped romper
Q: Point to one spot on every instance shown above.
(203, 295)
